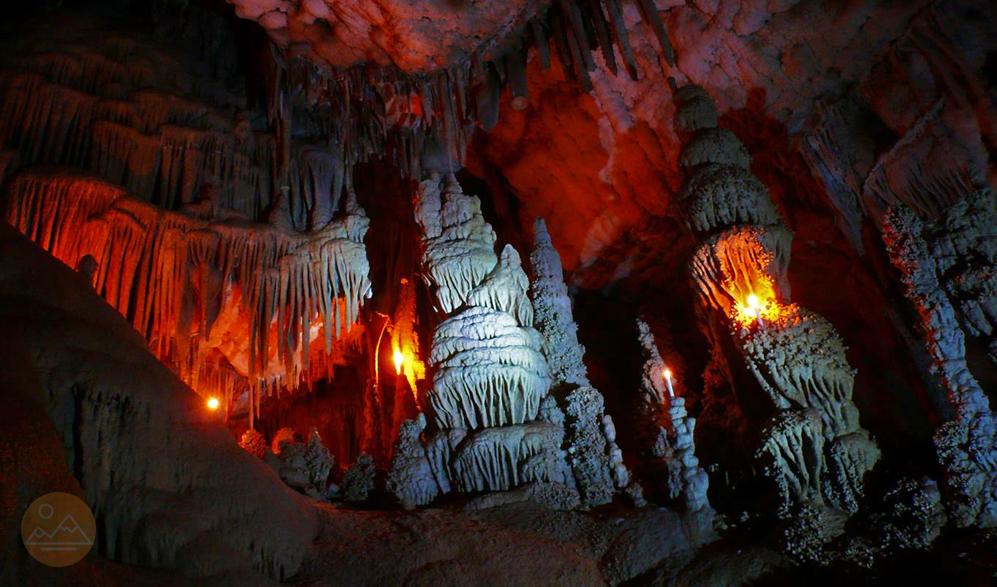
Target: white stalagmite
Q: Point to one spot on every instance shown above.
(669, 430)
(966, 445)
(410, 478)
(489, 375)
(814, 449)
(459, 245)
(554, 317)
(590, 435)
(172, 274)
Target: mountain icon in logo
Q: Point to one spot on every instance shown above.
(58, 529)
(67, 535)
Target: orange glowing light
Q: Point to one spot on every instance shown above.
(759, 307)
(667, 373)
(399, 358)
(213, 403)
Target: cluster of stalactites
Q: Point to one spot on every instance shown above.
(814, 449)
(175, 274)
(967, 444)
(129, 126)
(489, 375)
(399, 115)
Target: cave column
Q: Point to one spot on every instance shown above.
(813, 447)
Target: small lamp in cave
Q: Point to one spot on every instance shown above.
(668, 380)
(213, 403)
(399, 361)
(755, 308)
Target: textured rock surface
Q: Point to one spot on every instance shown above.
(195, 285)
(358, 481)
(967, 445)
(590, 435)
(814, 448)
(489, 375)
(170, 487)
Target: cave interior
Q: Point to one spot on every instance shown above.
(505, 292)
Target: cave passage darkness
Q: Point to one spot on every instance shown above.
(503, 292)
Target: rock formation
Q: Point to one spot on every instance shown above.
(813, 449)
(590, 435)
(925, 255)
(191, 285)
(169, 486)
(489, 375)
(358, 481)
(306, 466)
(669, 431)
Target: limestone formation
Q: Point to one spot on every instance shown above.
(669, 432)
(254, 443)
(163, 476)
(966, 445)
(814, 448)
(489, 375)
(306, 466)
(410, 478)
(590, 435)
(358, 481)
(174, 274)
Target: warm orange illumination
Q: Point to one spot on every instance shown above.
(668, 379)
(213, 403)
(399, 361)
(759, 308)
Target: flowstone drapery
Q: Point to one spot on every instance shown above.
(596, 461)
(212, 295)
(966, 445)
(814, 449)
(489, 375)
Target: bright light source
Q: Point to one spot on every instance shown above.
(754, 304)
(667, 374)
(399, 361)
(213, 403)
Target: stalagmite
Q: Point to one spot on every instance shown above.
(358, 481)
(966, 445)
(595, 459)
(814, 449)
(165, 272)
(489, 375)
(305, 466)
(410, 477)
(669, 433)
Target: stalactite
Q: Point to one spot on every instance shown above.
(156, 268)
(540, 42)
(162, 148)
(651, 14)
(515, 66)
(622, 37)
(922, 172)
